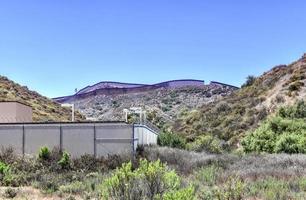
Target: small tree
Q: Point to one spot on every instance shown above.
(250, 80)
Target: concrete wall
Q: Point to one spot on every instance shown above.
(99, 139)
(12, 136)
(144, 135)
(13, 112)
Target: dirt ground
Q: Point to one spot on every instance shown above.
(30, 193)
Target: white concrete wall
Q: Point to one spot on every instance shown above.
(145, 135)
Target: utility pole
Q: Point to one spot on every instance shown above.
(72, 110)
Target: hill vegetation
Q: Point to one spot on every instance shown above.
(284, 132)
(227, 120)
(44, 109)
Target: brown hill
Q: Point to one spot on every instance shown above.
(44, 109)
(232, 116)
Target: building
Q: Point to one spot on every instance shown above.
(15, 112)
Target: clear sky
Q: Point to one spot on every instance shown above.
(55, 46)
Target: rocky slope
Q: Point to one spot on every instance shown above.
(44, 109)
(231, 117)
(163, 102)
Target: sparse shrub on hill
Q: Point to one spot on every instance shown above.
(250, 81)
(285, 132)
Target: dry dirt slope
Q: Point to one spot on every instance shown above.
(232, 116)
(44, 109)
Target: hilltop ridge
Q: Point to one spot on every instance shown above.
(111, 87)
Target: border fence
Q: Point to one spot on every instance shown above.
(79, 138)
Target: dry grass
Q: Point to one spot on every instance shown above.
(247, 167)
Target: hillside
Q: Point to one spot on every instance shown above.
(229, 118)
(162, 101)
(44, 109)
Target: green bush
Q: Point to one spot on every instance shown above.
(206, 143)
(7, 177)
(171, 140)
(283, 133)
(3, 168)
(152, 180)
(64, 162)
(44, 153)
(182, 194)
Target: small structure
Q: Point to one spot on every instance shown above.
(135, 110)
(15, 112)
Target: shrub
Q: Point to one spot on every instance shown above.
(284, 132)
(10, 193)
(3, 168)
(152, 180)
(233, 189)
(74, 188)
(206, 143)
(64, 162)
(7, 178)
(7, 155)
(295, 86)
(171, 140)
(182, 194)
(207, 175)
(269, 188)
(44, 153)
(48, 183)
(290, 144)
(250, 80)
(122, 184)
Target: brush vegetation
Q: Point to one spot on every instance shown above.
(157, 173)
(224, 123)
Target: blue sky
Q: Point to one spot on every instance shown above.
(55, 46)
